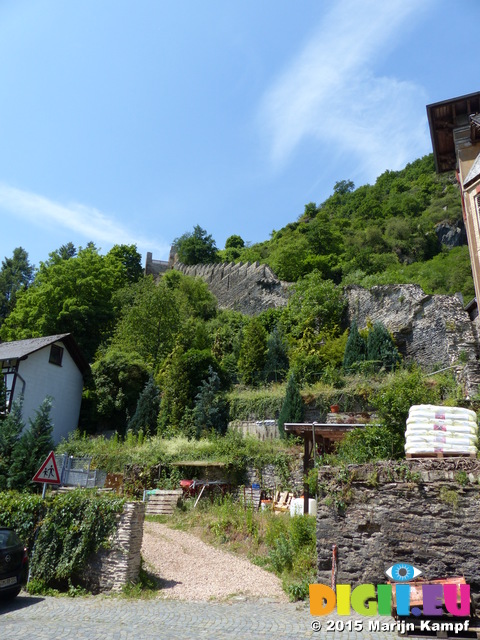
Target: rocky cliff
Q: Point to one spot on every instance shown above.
(249, 288)
(433, 330)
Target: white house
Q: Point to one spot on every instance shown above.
(39, 367)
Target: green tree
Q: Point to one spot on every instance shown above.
(393, 401)
(69, 296)
(343, 186)
(210, 412)
(32, 448)
(149, 323)
(65, 252)
(276, 362)
(180, 380)
(197, 247)
(128, 256)
(292, 408)
(195, 298)
(355, 349)
(234, 242)
(15, 276)
(253, 353)
(146, 414)
(233, 249)
(118, 380)
(10, 429)
(314, 303)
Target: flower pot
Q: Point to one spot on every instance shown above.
(334, 408)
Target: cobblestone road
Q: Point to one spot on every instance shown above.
(102, 618)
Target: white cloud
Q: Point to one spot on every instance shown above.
(87, 222)
(329, 91)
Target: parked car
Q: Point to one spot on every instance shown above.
(13, 563)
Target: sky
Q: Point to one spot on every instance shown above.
(131, 122)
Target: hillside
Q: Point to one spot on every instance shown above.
(167, 358)
(406, 228)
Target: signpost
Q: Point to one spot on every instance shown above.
(48, 473)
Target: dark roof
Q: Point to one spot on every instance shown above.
(443, 118)
(20, 349)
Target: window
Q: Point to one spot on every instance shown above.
(56, 355)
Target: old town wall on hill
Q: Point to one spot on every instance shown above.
(249, 288)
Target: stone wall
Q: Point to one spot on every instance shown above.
(422, 512)
(431, 330)
(249, 288)
(112, 568)
(270, 480)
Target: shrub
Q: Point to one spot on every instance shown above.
(370, 443)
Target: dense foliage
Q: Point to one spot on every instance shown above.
(71, 294)
(65, 529)
(22, 450)
(376, 234)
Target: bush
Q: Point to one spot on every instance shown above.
(406, 388)
(370, 443)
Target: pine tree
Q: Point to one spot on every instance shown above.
(276, 364)
(146, 413)
(253, 352)
(355, 349)
(292, 407)
(32, 448)
(211, 410)
(381, 348)
(10, 429)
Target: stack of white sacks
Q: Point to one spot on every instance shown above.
(434, 429)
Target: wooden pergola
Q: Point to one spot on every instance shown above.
(317, 435)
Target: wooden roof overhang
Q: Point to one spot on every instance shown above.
(446, 116)
(315, 433)
(334, 432)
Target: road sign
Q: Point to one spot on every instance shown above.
(48, 472)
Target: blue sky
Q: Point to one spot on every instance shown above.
(131, 122)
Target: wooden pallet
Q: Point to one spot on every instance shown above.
(440, 455)
(163, 504)
(282, 501)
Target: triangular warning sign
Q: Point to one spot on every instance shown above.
(48, 472)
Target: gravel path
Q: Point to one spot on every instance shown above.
(192, 570)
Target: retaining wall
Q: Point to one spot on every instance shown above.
(422, 512)
(115, 567)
